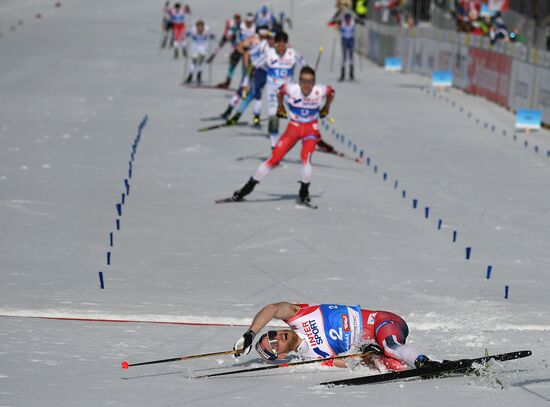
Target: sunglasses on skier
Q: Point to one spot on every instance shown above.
(268, 352)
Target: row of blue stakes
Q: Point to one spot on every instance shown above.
(124, 196)
(486, 125)
(368, 161)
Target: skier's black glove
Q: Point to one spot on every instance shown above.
(244, 343)
(324, 112)
(371, 348)
(281, 112)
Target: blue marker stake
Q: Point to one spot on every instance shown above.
(395, 184)
(439, 223)
(415, 203)
(404, 194)
(342, 138)
(375, 169)
(127, 184)
(118, 224)
(454, 235)
(368, 161)
(132, 156)
(349, 143)
(548, 153)
(123, 198)
(333, 131)
(506, 291)
(492, 128)
(355, 148)
(101, 280)
(485, 124)
(461, 109)
(337, 136)
(489, 270)
(129, 164)
(515, 137)
(536, 149)
(426, 212)
(108, 258)
(129, 173)
(119, 209)
(361, 153)
(468, 252)
(525, 143)
(111, 239)
(385, 176)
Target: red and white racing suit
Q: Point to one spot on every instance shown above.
(331, 329)
(303, 112)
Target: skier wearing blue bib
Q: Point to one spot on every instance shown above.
(325, 330)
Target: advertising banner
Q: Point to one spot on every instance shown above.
(489, 75)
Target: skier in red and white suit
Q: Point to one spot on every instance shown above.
(325, 330)
(306, 103)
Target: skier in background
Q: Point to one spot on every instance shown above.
(177, 17)
(200, 36)
(306, 102)
(166, 24)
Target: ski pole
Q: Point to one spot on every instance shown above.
(321, 49)
(256, 369)
(126, 365)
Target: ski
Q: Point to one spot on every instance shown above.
(222, 125)
(225, 200)
(307, 205)
(446, 367)
(212, 118)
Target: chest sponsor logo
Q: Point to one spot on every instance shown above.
(345, 322)
(312, 332)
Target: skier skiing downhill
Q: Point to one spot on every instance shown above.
(306, 102)
(346, 25)
(243, 31)
(178, 29)
(200, 36)
(321, 331)
(279, 62)
(265, 18)
(166, 24)
(252, 50)
(231, 35)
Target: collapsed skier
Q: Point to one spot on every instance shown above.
(321, 331)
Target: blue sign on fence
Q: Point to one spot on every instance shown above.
(393, 64)
(442, 78)
(528, 119)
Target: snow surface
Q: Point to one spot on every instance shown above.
(74, 87)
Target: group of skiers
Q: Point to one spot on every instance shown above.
(261, 42)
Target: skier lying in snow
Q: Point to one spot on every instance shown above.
(321, 331)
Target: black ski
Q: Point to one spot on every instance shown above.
(225, 200)
(211, 119)
(222, 125)
(455, 366)
(307, 204)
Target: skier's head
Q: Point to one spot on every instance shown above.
(200, 26)
(249, 20)
(237, 18)
(264, 10)
(177, 5)
(277, 344)
(306, 79)
(281, 41)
